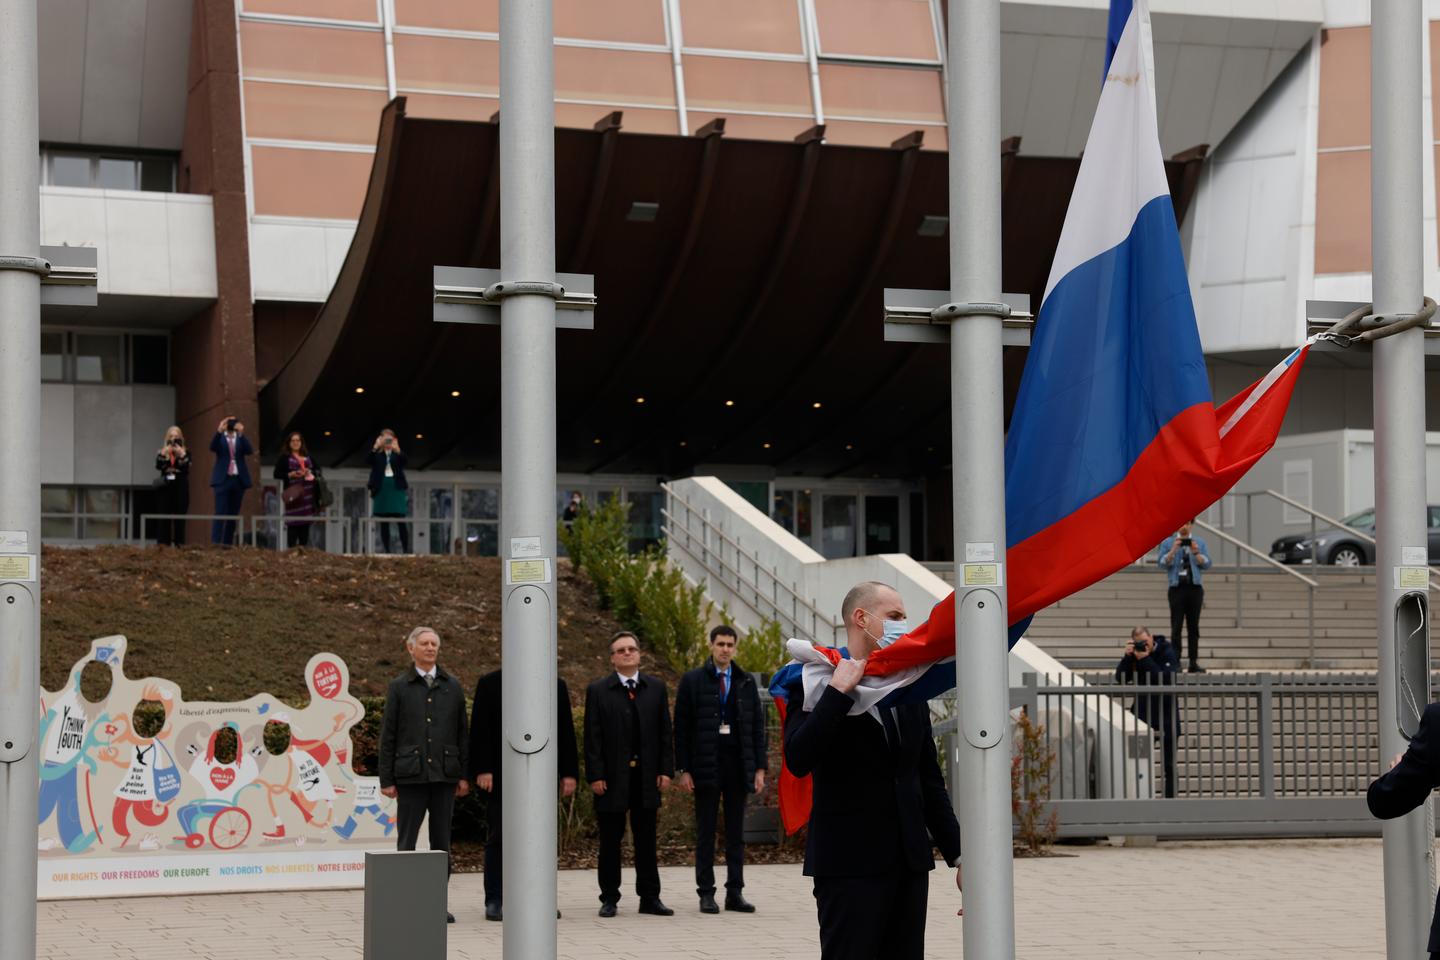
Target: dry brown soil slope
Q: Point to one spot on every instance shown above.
(227, 624)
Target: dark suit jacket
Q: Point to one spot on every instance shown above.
(221, 470)
(376, 459)
(607, 745)
(1408, 784)
(485, 730)
(697, 724)
(875, 810)
(422, 735)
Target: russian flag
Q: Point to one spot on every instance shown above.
(1115, 439)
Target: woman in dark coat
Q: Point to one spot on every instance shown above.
(172, 463)
(296, 472)
(389, 490)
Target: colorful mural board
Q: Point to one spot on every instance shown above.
(145, 792)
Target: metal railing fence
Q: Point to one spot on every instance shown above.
(740, 572)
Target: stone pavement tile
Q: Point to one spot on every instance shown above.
(1277, 900)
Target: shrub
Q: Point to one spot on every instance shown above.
(763, 650)
(1030, 769)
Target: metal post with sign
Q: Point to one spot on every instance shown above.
(1401, 580)
(21, 270)
(977, 329)
(523, 297)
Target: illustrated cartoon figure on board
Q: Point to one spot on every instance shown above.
(307, 783)
(69, 732)
(224, 769)
(151, 778)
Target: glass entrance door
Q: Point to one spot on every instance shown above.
(882, 524)
(837, 526)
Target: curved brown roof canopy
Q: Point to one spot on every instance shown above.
(758, 281)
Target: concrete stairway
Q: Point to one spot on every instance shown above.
(1255, 619)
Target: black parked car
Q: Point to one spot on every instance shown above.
(1341, 547)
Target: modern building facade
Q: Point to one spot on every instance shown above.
(269, 183)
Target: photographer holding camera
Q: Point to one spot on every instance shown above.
(229, 478)
(1184, 558)
(389, 490)
(172, 487)
(1153, 660)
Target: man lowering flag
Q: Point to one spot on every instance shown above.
(1115, 438)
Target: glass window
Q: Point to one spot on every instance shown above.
(309, 183)
(482, 540)
(333, 55)
(722, 83)
(149, 358)
(69, 171)
(288, 111)
(99, 358)
(480, 504)
(792, 511)
(645, 518)
(447, 63)
(479, 15)
(361, 10)
(57, 500)
(739, 126)
(442, 508)
(802, 516)
(626, 76)
(887, 93)
(52, 357)
(782, 511)
(882, 525)
(863, 133)
(764, 26)
(837, 526)
(1434, 517)
(622, 21)
(103, 509)
(876, 28)
(116, 174)
(157, 174)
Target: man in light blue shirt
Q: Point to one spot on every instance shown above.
(1184, 559)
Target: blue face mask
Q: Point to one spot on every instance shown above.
(890, 631)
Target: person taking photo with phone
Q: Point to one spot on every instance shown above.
(229, 478)
(1184, 558)
(172, 488)
(389, 490)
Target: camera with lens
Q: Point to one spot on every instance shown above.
(230, 424)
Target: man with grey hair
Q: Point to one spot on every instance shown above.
(423, 744)
(877, 782)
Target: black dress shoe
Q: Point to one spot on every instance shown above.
(656, 907)
(733, 901)
(449, 917)
(707, 903)
(493, 910)
(607, 909)
(1196, 668)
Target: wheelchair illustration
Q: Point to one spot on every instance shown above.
(229, 823)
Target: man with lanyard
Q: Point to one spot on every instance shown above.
(720, 752)
(1184, 559)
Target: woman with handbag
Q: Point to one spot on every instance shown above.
(296, 471)
(389, 490)
(172, 487)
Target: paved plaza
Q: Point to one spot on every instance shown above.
(1240, 901)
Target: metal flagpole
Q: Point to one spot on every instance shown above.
(527, 463)
(981, 780)
(21, 270)
(1400, 495)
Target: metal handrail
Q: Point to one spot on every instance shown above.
(1317, 515)
(817, 616)
(1244, 548)
(1242, 545)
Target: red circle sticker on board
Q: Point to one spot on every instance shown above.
(326, 679)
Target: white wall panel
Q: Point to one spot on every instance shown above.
(104, 448)
(152, 411)
(114, 61)
(57, 431)
(137, 236)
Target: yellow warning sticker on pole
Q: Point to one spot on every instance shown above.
(528, 571)
(18, 566)
(1412, 578)
(983, 574)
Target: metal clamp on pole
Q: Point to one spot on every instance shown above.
(38, 265)
(514, 288)
(953, 311)
(1374, 326)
